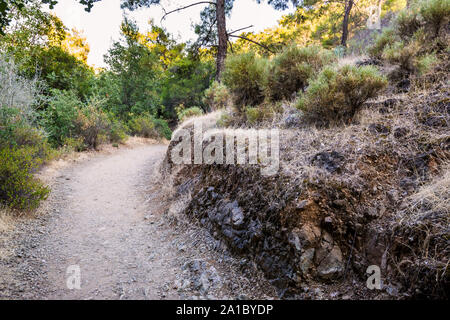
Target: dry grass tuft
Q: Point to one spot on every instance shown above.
(431, 201)
(351, 60)
(207, 121)
(6, 219)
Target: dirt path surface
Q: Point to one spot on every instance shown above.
(105, 217)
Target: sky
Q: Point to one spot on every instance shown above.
(101, 26)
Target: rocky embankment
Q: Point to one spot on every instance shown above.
(344, 199)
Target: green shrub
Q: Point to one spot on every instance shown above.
(217, 96)
(74, 144)
(225, 120)
(436, 14)
(244, 75)
(162, 127)
(15, 131)
(26, 136)
(402, 54)
(386, 38)
(117, 131)
(18, 188)
(147, 126)
(408, 22)
(92, 124)
(419, 24)
(189, 112)
(143, 126)
(59, 119)
(426, 63)
(290, 70)
(67, 119)
(337, 94)
(265, 111)
(253, 115)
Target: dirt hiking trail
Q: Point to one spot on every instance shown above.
(105, 217)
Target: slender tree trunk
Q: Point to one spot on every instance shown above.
(223, 38)
(348, 9)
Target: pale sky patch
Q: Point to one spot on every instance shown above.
(101, 26)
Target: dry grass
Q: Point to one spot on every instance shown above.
(6, 220)
(351, 60)
(6, 225)
(207, 121)
(431, 201)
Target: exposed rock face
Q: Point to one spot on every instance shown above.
(331, 267)
(330, 161)
(252, 225)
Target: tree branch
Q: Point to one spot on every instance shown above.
(182, 8)
(231, 45)
(250, 40)
(229, 33)
(206, 38)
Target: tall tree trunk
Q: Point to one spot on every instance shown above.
(223, 38)
(348, 9)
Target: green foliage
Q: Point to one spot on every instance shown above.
(134, 71)
(244, 75)
(61, 70)
(60, 116)
(426, 63)
(39, 43)
(253, 115)
(18, 96)
(225, 120)
(314, 22)
(386, 38)
(151, 74)
(184, 82)
(436, 14)
(402, 54)
(27, 136)
(23, 148)
(117, 131)
(189, 112)
(147, 126)
(67, 120)
(163, 129)
(263, 112)
(75, 144)
(17, 134)
(408, 22)
(18, 188)
(144, 126)
(290, 70)
(10, 120)
(337, 94)
(415, 38)
(92, 124)
(217, 96)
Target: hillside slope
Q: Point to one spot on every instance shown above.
(374, 192)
